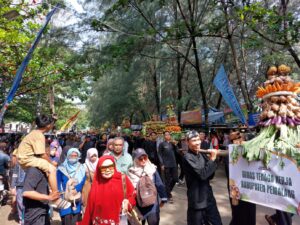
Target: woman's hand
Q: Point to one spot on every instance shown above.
(125, 205)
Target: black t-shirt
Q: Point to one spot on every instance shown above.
(101, 146)
(166, 154)
(150, 148)
(205, 145)
(35, 180)
(138, 142)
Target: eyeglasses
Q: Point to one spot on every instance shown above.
(108, 167)
(142, 158)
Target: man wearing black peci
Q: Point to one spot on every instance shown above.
(198, 169)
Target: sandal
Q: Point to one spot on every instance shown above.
(60, 204)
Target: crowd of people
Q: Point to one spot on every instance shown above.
(101, 179)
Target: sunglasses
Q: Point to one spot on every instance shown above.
(109, 167)
(142, 158)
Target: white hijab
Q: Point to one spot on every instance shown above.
(136, 171)
(91, 166)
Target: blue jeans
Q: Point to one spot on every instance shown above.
(20, 206)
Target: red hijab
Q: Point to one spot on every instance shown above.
(106, 196)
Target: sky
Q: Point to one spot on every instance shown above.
(75, 4)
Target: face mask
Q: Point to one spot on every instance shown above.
(73, 161)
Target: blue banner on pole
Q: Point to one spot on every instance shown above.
(222, 83)
(23, 66)
(253, 119)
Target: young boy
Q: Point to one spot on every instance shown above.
(32, 153)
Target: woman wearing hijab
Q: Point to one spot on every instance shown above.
(70, 179)
(56, 146)
(106, 199)
(109, 147)
(53, 154)
(143, 167)
(90, 168)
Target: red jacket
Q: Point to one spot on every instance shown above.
(105, 198)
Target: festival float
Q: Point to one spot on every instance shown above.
(126, 126)
(154, 125)
(279, 120)
(172, 125)
(265, 169)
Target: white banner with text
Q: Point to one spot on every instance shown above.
(276, 185)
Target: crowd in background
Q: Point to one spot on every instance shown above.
(77, 157)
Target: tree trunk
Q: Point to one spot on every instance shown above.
(283, 9)
(51, 100)
(144, 115)
(199, 75)
(215, 67)
(234, 57)
(156, 90)
(294, 55)
(218, 105)
(192, 29)
(179, 87)
(245, 68)
(178, 69)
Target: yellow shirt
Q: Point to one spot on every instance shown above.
(32, 144)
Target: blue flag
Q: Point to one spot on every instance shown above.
(23, 66)
(222, 83)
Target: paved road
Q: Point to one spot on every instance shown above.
(175, 214)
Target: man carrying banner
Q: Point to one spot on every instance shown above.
(243, 212)
(199, 170)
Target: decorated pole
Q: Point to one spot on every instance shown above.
(69, 122)
(22, 68)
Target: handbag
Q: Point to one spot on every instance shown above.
(134, 217)
(71, 195)
(86, 187)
